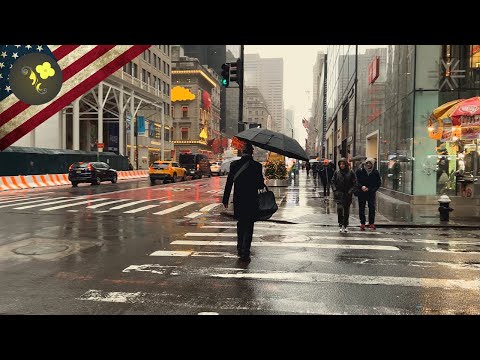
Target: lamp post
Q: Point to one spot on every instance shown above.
(291, 125)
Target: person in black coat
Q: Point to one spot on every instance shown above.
(344, 182)
(326, 174)
(247, 183)
(368, 179)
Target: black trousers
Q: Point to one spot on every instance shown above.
(244, 236)
(362, 200)
(326, 189)
(343, 212)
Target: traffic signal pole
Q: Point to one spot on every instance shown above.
(240, 87)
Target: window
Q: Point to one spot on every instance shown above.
(164, 87)
(168, 89)
(145, 55)
(148, 77)
(166, 108)
(164, 48)
(154, 60)
(256, 112)
(149, 56)
(168, 69)
(167, 134)
(184, 133)
(144, 75)
(172, 110)
(135, 70)
(159, 64)
(158, 132)
(155, 81)
(184, 112)
(164, 67)
(168, 50)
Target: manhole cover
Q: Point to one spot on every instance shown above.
(40, 249)
(285, 238)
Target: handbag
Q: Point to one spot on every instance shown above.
(267, 205)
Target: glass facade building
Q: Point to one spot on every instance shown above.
(379, 99)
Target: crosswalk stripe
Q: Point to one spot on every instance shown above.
(309, 277)
(293, 229)
(71, 205)
(12, 197)
(47, 203)
(166, 201)
(194, 215)
(174, 208)
(17, 201)
(202, 210)
(284, 244)
(128, 204)
(140, 209)
(27, 201)
(106, 203)
(167, 253)
(239, 304)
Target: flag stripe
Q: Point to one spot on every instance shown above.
(67, 73)
(121, 58)
(62, 51)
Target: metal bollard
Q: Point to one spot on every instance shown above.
(444, 208)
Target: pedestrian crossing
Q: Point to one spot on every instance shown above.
(155, 207)
(303, 269)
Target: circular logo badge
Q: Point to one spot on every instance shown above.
(36, 78)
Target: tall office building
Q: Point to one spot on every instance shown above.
(267, 75)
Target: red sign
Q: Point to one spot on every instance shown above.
(100, 145)
(374, 69)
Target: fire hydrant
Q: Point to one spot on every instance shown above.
(444, 208)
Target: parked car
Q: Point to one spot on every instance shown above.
(225, 167)
(166, 171)
(91, 172)
(216, 168)
(197, 165)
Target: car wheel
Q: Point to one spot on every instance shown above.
(114, 179)
(184, 177)
(74, 184)
(98, 180)
(174, 179)
(152, 182)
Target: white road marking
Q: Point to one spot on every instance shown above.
(29, 201)
(292, 229)
(451, 251)
(72, 210)
(208, 313)
(106, 203)
(47, 203)
(301, 245)
(194, 215)
(308, 277)
(202, 210)
(215, 235)
(166, 201)
(221, 254)
(174, 208)
(71, 205)
(128, 204)
(270, 305)
(140, 209)
(17, 201)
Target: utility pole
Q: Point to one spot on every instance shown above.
(240, 88)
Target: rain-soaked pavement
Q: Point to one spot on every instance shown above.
(132, 248)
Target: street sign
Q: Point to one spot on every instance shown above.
(100, 145)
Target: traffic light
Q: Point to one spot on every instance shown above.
(236, 72)
(225, 75)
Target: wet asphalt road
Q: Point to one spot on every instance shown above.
(132, 248)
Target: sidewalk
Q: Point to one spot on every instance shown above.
(303, 203)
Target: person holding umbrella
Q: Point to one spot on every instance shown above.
(344, 181)
(247, 176)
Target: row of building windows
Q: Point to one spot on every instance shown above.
(165, 49)
(157, 62)
(257, 112)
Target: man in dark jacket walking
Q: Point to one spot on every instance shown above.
(326, 174)
(368, 183)
(246, 173)
(344, 182)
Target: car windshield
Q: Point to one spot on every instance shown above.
(160, 166)
(79, 165)
(187, 159)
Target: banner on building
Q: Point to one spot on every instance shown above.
(141, 125)
(112, 137)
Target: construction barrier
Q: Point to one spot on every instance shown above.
(35, 181)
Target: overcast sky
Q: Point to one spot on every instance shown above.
(298, 61)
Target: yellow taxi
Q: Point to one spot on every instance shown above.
(166, 171)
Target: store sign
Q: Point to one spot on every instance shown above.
(374, 70)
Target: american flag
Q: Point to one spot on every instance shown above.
(83, 67)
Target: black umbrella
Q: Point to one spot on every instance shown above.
(274, 141)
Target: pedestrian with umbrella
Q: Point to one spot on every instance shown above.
(247, 176)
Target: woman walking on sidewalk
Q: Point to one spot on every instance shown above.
(344, 182)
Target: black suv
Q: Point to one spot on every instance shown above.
(197, 165)
(91, 172)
